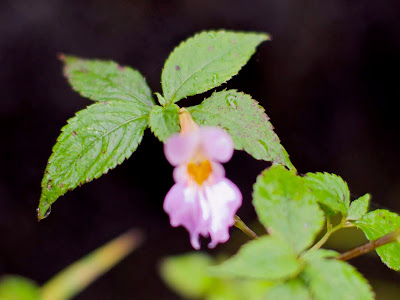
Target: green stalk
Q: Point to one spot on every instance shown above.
(76, 277)
(243, 227)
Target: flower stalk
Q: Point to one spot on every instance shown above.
(243, 227)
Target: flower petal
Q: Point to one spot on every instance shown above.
(216, 143)
(180, 148)
(184, 207)
(224, 199)
(180, 174)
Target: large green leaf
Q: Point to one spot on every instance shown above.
(188, 274)
(205, 61)
(164, 121)
(294, 289)
(330, 279)
(102, 80)
(358, 208)
(18, 288)
(93, 142)
(245, 121)
(331, 191)
(376, 224)
(286, 207)
(267, 258)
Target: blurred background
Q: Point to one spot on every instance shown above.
(329, 81)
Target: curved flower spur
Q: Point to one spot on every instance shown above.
(202, 199)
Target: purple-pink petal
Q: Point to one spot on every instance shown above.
(204, 210)
(184, 209)
(216, 143)
(180, 148)
(224, 199)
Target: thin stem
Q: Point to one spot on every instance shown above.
(368, 247)
(329, 231)
(243, 227)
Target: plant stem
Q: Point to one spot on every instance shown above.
(326, 236)
(386, 239)
(243, 227)
(76, 277)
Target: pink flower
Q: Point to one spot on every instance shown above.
(202, 199)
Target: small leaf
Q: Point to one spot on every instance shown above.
(331, 192)
(102, 80)
(205, 61)
(286, 207)
(267, 258)
(294, 289)
(164, 121)
(160, 99)
(330, 279)
(96, 140)
(378, 223)
(359, 207)
(188, 274)
(245, 121)
(18, 288)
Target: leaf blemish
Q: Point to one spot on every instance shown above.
(178, 68)
(211, 48)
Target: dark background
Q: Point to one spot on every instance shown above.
(329, 80)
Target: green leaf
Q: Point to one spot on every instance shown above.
(359, 207)
(245, 121)
(294, 289)
(378, 223)
(18, 288)
(267, 258)
(164, 121)
(331, 192)
(93, 142)
(102, 80)
(286, 207)
(330, 279)
(205, 61)
(188, 274)
(319, 254)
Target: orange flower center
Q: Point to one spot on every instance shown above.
(199, 172)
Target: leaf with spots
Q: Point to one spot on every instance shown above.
(101, 80)
(378, 223)
(245, 121)
(96, 140)
(164, 121)
(287, 208)
(206, 61)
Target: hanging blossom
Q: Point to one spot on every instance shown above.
(202, 199)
